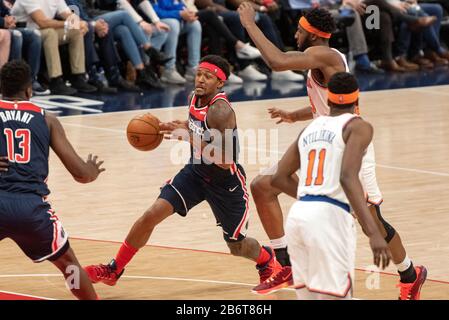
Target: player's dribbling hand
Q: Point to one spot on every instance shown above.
(4, 164)
(94, 166)
(247, 14)
(381, 253)
(175, 130)
(285, 116)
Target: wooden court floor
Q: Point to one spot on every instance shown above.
(412, 150)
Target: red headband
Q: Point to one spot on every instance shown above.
(214, 69)
(308, 27)
(341, 98)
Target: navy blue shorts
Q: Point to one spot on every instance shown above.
(29, 221)
(224, 190)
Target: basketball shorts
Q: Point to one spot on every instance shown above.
(367, 176)
(321, 239)
(31, 223)
(224, 190)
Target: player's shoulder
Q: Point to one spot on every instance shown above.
(220, 108)
(220, 101)
(357, 124)
(21, 106)
(50, 119)
(321, 50)
(324, 52)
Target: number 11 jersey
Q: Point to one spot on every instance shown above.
(321, 147)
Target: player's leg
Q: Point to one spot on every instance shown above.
(229, 201)
(43, 238)
(179, 195)
(411, 277)
(265, 259)
(137, 237)
(76, 278)
(270, 213)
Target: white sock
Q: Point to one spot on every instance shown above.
(279, 243)
(404, 265)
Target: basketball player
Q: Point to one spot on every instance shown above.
(26, 133)
(212, 174)
(320, 230)
(315, 55)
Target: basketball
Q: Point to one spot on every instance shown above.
(143, 132)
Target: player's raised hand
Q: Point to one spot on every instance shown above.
(285, 116)
(4, 164)
(381, 253)
(247, 14)
(94, 166)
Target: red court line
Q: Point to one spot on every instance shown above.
(226, 253)
(152, 245)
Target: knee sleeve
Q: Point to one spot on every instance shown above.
(388, 228)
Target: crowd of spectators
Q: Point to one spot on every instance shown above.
(109, 45)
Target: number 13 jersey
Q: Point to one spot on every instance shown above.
(25, 140)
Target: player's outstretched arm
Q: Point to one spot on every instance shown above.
(288, 165)
(82, 171)
(302, 114)
(358, 135)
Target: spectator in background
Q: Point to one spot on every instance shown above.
(391, 13)
(157, 33)
(101, 31)
(232, 20)
(216, 31)
(272, 33)
(181, 21)
(429, 37)
(40, 15)
(5, 44)
(23, 42)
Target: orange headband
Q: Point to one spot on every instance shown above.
(343, 98)
(308, 27)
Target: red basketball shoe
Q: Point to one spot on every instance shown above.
(278, 281)
(412, 291)
(269, 269)
(104, 273)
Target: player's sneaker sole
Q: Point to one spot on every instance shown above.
(283, 279)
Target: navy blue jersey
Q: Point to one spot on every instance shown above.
(199, 128)
(25, 139)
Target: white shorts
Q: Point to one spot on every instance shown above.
(321, 241)
(367, 176)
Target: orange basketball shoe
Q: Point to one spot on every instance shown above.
(104, 273)
(412, 291)
(278, 281)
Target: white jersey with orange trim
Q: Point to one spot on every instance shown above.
(321, 149)
(318, 93)
(318, 102)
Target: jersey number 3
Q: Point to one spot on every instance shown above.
(24, 137)
(319, 177)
